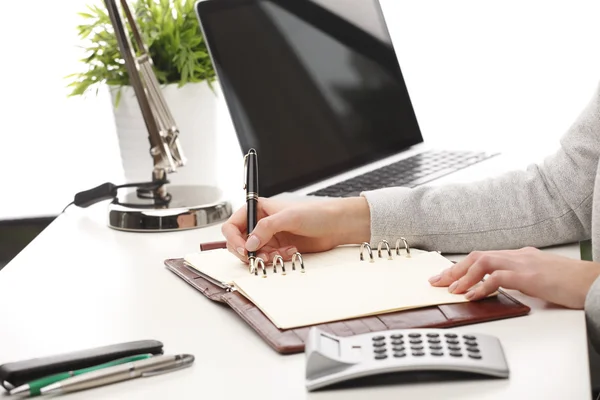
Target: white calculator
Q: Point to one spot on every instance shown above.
(333, 360)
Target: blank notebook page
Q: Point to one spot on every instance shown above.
(224, 267)
(348, 289)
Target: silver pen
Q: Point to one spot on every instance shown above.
(148, 367)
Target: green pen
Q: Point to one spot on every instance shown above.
(34, 387)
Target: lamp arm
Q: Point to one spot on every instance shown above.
(163, 134)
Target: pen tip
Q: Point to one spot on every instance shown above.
(55, 387)
(252, 151)
(19, 390)
(188, 358)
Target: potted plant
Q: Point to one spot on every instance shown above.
(183, 67)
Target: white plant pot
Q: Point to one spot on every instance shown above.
(194, 108)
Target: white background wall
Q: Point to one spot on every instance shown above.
(508, 75)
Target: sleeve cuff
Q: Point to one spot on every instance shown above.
(386, 209)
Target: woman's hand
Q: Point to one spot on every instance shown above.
(560, 280)
(285, 227)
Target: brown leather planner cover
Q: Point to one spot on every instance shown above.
(292, 340)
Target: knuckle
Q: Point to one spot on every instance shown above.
(452, 272)
(475, 255)
(485, 259)
(264, 224)
(478, 269)
(495, 277)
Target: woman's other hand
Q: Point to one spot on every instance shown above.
(285, 227)
(557, 279)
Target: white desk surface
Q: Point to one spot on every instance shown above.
(80, 284)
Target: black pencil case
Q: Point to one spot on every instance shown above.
(17, 373)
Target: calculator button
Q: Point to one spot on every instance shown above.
(378, 344)
(377, 338)
(397, 342)
(451, 335)
(456, 354)
(454, 348)
(435, 347)
(416, 341)
(416, 347)
(433, 335)
(452, 341)
(475, 356)
(397, 336)
(469, 337)
(437, 353)
(398, 348)
(381, 356)
(418, 353)
(400, 354)
(472, 349)
(470, 343)
(414, 335)
(380, 351)
(434, 341)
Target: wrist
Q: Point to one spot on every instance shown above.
(352, 220)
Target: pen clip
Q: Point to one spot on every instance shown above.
(245, 174)
(165, 370)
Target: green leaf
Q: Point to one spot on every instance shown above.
(170, 31)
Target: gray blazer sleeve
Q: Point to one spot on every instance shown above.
(545, 204)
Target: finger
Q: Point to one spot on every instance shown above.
(239, 218)
(497, 279)
(485, 264)
(263, 256)
(285, 252)
(458, 270)
(234, 238)
(269, 226)
(235, 253)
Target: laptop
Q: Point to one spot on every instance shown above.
(316, 88)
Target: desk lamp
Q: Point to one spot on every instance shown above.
(156, 206)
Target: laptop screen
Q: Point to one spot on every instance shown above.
(313, 85)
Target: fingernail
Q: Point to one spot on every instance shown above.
(469, 295)
(241, 251)
(434, 279)
(252, 243)
(292, 251)
(453, 286)
(263, 256)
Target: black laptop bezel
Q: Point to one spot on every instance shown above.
(204, 7)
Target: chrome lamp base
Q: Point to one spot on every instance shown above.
(190, 207)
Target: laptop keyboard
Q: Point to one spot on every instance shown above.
(409, 172)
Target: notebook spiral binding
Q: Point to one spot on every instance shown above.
(387, 247)
(277, 260)
(259, 264)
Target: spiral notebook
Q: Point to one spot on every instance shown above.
(223, 271)
(341, 284)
